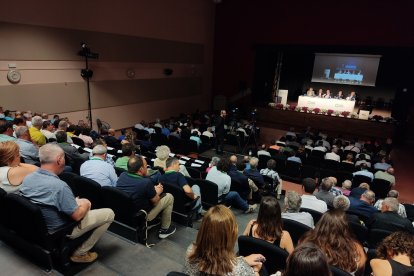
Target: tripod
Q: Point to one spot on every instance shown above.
(251, 138)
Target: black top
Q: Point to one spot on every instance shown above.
(276, 242)
(219, 125)
(399, 269)
(390, 221)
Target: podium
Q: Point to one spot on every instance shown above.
(281, 97)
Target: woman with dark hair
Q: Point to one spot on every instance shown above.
(333, 236)
(306, 260)
(396, 255)
(268, 225)
(213, 251)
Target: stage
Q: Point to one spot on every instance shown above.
(332, 125)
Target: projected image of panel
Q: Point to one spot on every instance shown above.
(346, 69)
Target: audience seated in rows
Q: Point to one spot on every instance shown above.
(219, 175)
(162, 153)
(263, 151)
(254, 174)
(363, 207)
(388, 175)
(323, 194)
(128, 151)
(310, 201)
(364, 171)
(333, 236)
(48, 130)
(237, 176)
(97, 169)
(72, 154)
(293, 202)
(146, 195)
(342, 202)
(44, 187)
(36, 135)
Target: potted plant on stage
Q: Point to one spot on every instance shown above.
(354, 115)
(298, 109)
(330, 112)
(337, 113)
(345, 113)
(286, 107)
(316, 110)
(292, 107)
(304, 109)
(323, 111)
(377, 118)
(279, 106)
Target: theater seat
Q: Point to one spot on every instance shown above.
(315, 214)
(295, 229)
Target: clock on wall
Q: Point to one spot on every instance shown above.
(13, 76)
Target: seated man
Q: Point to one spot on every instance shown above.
(388, 175)
(194, 136)
(35, 134)
(333, 155)
(111, 139)
(6, 131)
(218, 174)
(146, 196)
(254, 174)
(246, 184)
(48, 130)
(270, 171)
(310, 201)
(319, 147)
(323, 193)
(358, 191)
(382, 165)
(362, 207)
(43, 186)
(293, 157)
(263, 151)
(389, 219)
(72, 153)
(173, 176)
(97, 169)
(128, 151)
(401, 208)
(293, 202)
(28, 150)
(364, 171)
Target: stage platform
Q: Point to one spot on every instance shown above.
(332, 125)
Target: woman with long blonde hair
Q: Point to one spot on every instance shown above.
(12, 172)
(213, 251)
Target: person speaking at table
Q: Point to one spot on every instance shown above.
(327, 95)
(351, 96)
(339, 96)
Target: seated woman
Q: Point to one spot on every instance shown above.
(213, 251)
(333, 237)
(395, 253)
(268, 225)
(12, 172)
(162, 153)
(307, 259)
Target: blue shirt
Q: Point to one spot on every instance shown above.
(197, 139)
(173, 178)
(255, 175)
(295, 159)
(100, 171)
(364, 173)
(46, 188)
(28, 151)
(165, 131)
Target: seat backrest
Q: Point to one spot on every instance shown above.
(26, 219)
(209, 191)
(293, 168)
(358, 179)
(88, 188)
(380, 187)
(315, 214)
(330, 164)
(181, 201)
(68, 178)
(338, 272)
(348, 167)
(194, 173)
(122, 205)
(375, 236)
(409, 209)
(118, 171)
(295, 229)
(78, 141)
(275, 256)
(263, 161)
(360, 231)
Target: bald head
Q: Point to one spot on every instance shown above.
(390, 170)
(233, 159)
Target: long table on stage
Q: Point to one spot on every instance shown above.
(322, 103)
(332, 125)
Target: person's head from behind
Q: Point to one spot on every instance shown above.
(162, 152)
(214, 161)
(22, 132)
(99, 151)
(9, 154)
(393, 193)
(390, 204)
(214, 245)
(307, 259)
(398, 243)
(368, 196)
(52, 158)
(61, 136)
(341, 202)
(137, 165)
(309, 185)
(223, 165)
(347, 184)
(269, 219)
(172, 164)
(271, 164)
(128, 149)
(293, 201)
(254, 162)
(327, 183)
(233, 159)
(37, 122)
(349, 157)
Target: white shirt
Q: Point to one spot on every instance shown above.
(222, 180)
(48, 134)
(302, 217)
(208, 134)
(311, 202)
(332, 156)
(263, 152)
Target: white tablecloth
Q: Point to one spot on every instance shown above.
(334, 104)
